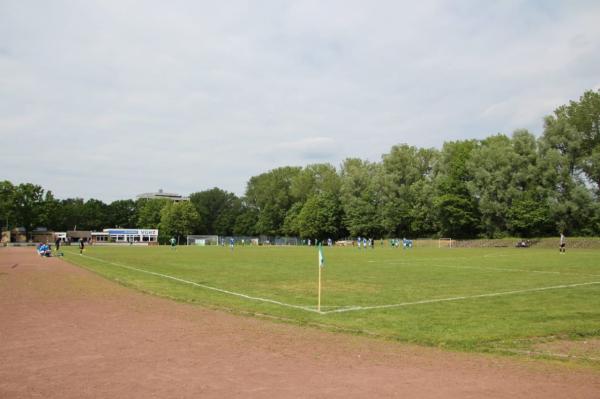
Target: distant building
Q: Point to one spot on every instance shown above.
(162, 195)
(41, 234)
(75, 235)
(127, 235)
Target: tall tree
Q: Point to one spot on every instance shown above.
(72, 215)
(315, 179)
(178, 219)
(574, 130)
(149, 212)
(456, 210)
(270, 194)
(7, 205)
(320, 217)
(403, 168)
(28, 199)
(245, 222)
(361, 197)
(218, 210)
(95, 215)
(122, 213)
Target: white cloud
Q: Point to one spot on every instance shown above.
(310, 149)
(109, 99)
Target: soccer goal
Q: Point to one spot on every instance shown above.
(202, 240)
(445, 243)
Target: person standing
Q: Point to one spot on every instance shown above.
(57, 244)
(563, 243)
(173, 242)
(81, 246)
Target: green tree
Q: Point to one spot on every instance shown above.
(403, 169)
(7, 205)
(28, 199)
(574, 130)
(178, 219)
(361, 197)
(225, 222)
(270, 194)
(122, 213)
(423, 220)
(456, 210)
(218, 210)
(49, 212)
(320, 217)
(94, 215)
(71, 214)
(315, 179)
(245, 222)
(149, 212)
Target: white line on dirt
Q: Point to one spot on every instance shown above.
(208, 287)
(459, 298)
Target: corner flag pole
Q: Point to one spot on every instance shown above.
(321, 266)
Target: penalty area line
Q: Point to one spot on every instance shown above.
(208, 287)
(458, 298)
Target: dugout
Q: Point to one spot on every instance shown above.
(75, 235)
(42, 235)
(16, 235)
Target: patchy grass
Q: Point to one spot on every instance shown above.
(486, 299)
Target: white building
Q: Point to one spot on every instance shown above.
(129, 235)
(160, 194)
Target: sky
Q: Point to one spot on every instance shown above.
(110, 99)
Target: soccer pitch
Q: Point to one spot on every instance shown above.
(467, 299)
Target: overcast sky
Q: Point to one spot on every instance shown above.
(109, 99)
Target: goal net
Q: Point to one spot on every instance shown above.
(202, 240)
(445, 243)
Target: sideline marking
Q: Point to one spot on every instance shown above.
(499, 269)
(459, 298)
(208, 287)
(502, 269)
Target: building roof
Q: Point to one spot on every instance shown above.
(160, 194)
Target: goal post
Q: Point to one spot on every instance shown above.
(202, 240)
(444, 242)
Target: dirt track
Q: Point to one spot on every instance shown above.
(68, 333)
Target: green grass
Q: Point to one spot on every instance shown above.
(379, 277)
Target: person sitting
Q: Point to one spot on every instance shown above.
(44, 250)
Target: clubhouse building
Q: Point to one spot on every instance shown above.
(125, 236)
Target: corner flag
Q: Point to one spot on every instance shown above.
(321, 257)
(321, 266)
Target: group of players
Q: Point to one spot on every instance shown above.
(45, 249)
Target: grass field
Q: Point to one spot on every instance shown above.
(499, 300)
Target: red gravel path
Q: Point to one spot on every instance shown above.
(67, 333)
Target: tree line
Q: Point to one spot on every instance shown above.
(516, 185)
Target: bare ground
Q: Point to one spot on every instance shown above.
(68, 333)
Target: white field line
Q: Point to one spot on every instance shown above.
(499, 269)
(308, 309)
(459, 298)
(503, 269)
